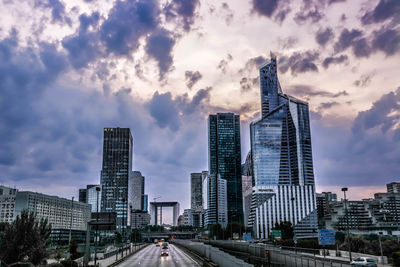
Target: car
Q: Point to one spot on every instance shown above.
(164, 251)
(165, 244)
(364, 261)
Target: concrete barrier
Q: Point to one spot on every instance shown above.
(214, 254)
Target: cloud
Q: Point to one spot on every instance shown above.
(307, 91)
(364, 80)
(299, 62)
(128, 21)
(192, 77)
(273, 9)
(223, 64)
(313, 15)
(334, 60)
(386, 40)
(287, 43)
(162, 108)
(327, 105)
(253, 64)
(159, 46)
(324, 36)
(228, 13)
(246, 84)
(385, 9)
(183, 12)
(57, 7)
(347, 38)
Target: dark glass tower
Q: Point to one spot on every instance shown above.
(115, 174)
(225, 160)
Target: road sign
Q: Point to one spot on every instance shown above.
(326, 237)
(277, 234)
(235, 236)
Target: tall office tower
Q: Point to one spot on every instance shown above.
(115, 174)
(136, 190)
(145, 203)
(215, 206)
(224, 161)
(281, 160)
(90, 195)
(82, 195)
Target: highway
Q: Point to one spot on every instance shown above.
(150, 256)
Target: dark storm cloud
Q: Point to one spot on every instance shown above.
(128, 21)
(163, 109)
(313, 15)
(346, 39)
(299, 62)
(380, 115)
(323, 36)
(192, 77)
(83, 47)
(273, 9)
(386, 40)
(334, 60)
(308, 91)
(385, 9)
(361, 48)
(159, 46)
(183, 11)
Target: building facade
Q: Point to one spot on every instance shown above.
(368, 216)
(136, 190)
(116, 172)
(393, 188)
(58, 211)
(139, 219)
(215, 202)
(224, 162)
(7, 203)
(281, 161)
(324, 202)
(196, 198)
(93, 197)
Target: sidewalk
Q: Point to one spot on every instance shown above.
(113, 259)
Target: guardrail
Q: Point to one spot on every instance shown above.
(269, 255)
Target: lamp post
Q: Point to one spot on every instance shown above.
(344, 189)
(97, 225)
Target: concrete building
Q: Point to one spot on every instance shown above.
(224, 163)
(57, 210)
(393, 187)
(187, 218)
(156, 212)
(116, 173)
(324, 202)
(7, 203)
(196, 198)
(281, 161)
(378, 215)
(139, 219)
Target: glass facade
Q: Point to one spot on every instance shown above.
(115, 174)
(281, 140)
(225, 159)
(136, 190)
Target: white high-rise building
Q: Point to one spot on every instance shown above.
(7, 203)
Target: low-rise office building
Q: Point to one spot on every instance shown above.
(58, 211)
(7, 202)
(139, 219)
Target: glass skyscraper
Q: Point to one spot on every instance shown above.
(281, 160)
(116, 172)
(225, 161)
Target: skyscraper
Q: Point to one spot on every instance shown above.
(136, 190)
(196, 198)
(225, 161)
(115, 174)
(281, 160)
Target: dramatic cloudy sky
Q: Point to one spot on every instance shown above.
(70, 68)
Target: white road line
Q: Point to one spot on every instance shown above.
(188, 256)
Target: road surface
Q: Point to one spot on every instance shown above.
(150, 256)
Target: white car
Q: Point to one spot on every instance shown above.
(164, 251)
(364, 261)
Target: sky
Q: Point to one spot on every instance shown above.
(70, 68)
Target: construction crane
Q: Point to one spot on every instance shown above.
(154, 199)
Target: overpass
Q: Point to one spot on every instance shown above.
(150, 236)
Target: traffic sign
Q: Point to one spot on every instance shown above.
(326, 237)
(277, 234)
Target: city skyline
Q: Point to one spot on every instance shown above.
(339, 56)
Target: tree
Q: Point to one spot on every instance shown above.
(136, 236)
(118, 238)
(286, 229)
(216, 230)
(73, 249)
(24, 238)
(232, 228)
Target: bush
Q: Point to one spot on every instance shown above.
(69, 263)
(396, 259)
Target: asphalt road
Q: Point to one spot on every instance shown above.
(150, 256)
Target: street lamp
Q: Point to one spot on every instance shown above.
(344, 189)
(97, 225)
